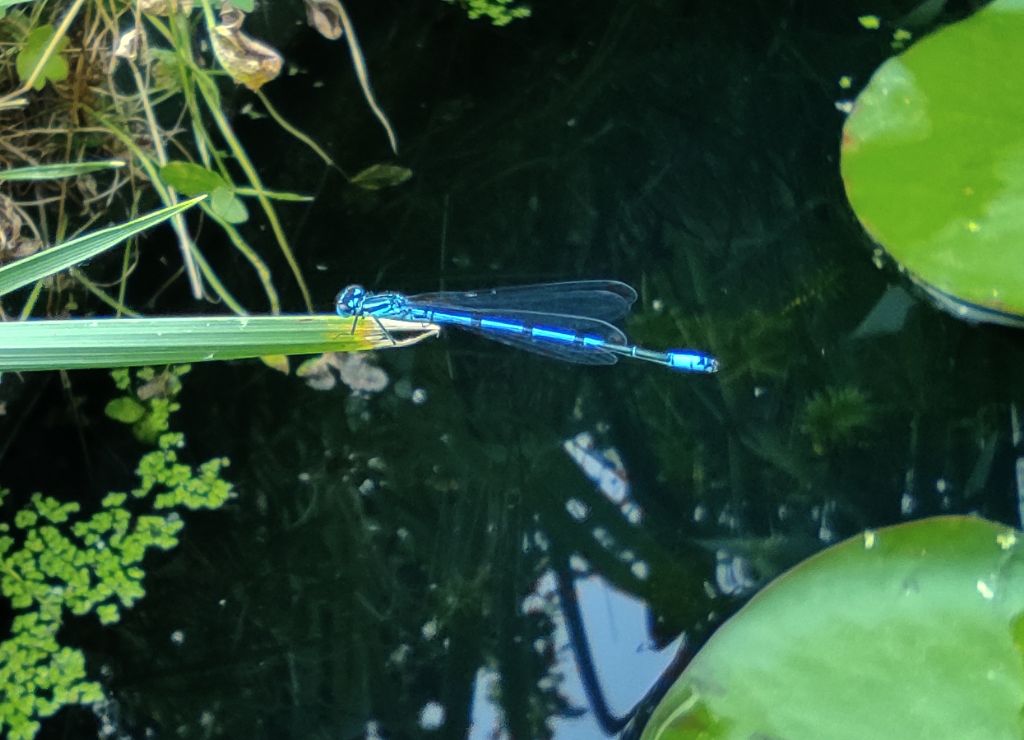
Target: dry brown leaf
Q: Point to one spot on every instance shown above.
(128, 45)
(325, 17)
(10, 223)
(231, 17)
(13, 245)
(249, 62)
(164, 385)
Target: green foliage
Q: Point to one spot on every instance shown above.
(74, 344)
(930, 162)
(500, 12)
(148, 407)
(56, 68)
(910, 631)
(193, 179)
(60, 257)
(228, 206)
(379, 176)
(125, 410)
(56, 559)
(47, 172)
(5, 4)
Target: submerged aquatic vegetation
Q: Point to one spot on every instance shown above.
(836, 417)
(56, 560)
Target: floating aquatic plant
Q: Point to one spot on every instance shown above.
(908, 631)
(57, 560)
(931, 161)
(499, 12)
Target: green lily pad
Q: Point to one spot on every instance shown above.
(914, 631)
(933, 162)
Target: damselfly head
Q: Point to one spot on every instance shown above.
(350, 301)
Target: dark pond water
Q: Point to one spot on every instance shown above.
(430, 559)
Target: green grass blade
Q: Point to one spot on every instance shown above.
(57, 171)
(60, 257)
(106, 343)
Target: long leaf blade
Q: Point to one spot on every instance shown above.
(75, 344)
(61, 257)
(60, 170)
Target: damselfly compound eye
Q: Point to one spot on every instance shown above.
(350, 300)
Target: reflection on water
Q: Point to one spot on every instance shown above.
(458, 539)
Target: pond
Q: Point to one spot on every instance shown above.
(462, 539)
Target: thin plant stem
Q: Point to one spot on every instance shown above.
(364, 77)
(283, 123)
(33, 298)
(254, 179)
(184, 240)
(154, 176)
(102, 294)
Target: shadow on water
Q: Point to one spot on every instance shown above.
(386, 548)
